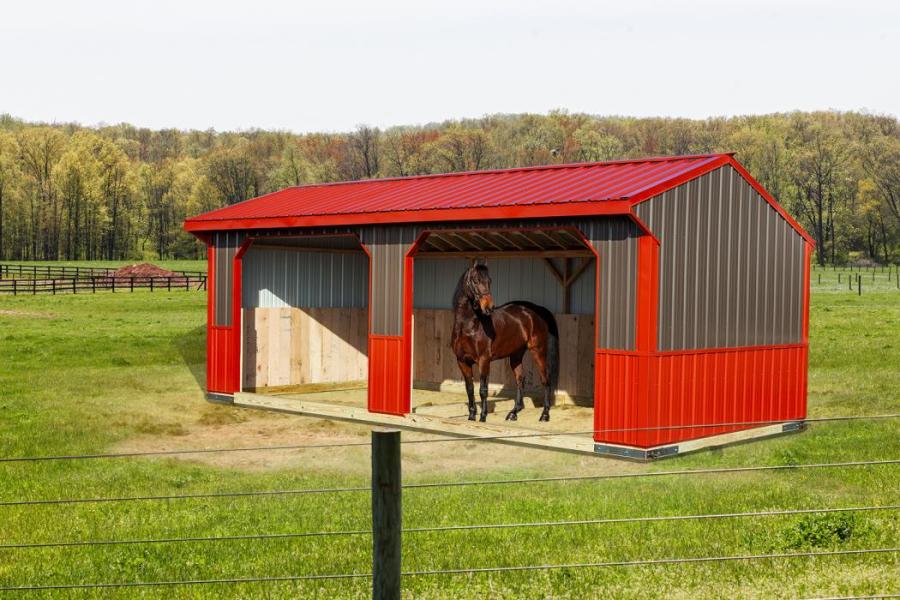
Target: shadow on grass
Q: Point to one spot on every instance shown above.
(192, 347)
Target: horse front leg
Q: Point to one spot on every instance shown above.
(466, 370)
(484, 370)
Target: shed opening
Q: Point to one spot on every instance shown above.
(304, 314)
(550, 267)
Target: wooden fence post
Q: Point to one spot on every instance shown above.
(132, 283)
(387, 515)
(14, 286)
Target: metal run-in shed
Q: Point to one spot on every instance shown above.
(681, 287)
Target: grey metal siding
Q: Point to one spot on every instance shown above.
(387, 246)
(226, 245)
(730, 269)
(513, 279)
(616, 241)
(274, 278)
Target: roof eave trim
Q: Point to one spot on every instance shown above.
(532, 211)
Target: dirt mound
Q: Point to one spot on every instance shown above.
(143, 270)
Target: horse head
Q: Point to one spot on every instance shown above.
(477, 286)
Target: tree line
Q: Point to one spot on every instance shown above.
(122, 192)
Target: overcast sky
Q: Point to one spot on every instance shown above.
(330, 65)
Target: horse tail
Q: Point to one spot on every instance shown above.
(552, 350)
(552, 342)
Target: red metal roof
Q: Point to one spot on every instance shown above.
(555, 190)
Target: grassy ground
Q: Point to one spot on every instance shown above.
(81, 374)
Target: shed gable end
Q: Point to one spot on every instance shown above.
(731, 268)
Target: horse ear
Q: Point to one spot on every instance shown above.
(480, 260)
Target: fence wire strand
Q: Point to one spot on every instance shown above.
(447, 439)
(461, 571)
(448, 484)
(451, 528)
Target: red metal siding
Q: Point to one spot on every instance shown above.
(702, 387)
(389, 382)
(222, 364)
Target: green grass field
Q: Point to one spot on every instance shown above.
(84, 374)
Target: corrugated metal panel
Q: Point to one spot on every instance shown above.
(697, 388)
(227, 244)
(387, 246)
(615, 239)
(553, 184)
(389, 376)
(731, 267)
(274, 278)
(513, 279)
(336, 242)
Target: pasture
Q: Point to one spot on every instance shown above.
(122, 373)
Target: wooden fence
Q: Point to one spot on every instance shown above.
(93, 284)
(19, 271)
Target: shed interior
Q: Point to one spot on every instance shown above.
(304, 312)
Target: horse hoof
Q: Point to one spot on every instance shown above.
(512, 416)
(544, 417)
(471, 416)
(483, 418)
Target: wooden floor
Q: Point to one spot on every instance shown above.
(445, 413)
(441, 413)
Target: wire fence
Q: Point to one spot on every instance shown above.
(452, 484)
(462, 571)
(447, 528)
(446, 439)
(855, 279)
(379, 523)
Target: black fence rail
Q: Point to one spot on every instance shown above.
(93, 284)
(19, 271)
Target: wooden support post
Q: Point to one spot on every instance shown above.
(132, 284)
(387, 515)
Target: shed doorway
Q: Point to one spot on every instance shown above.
(304, 314)
(551, 267)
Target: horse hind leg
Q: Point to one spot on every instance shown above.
(466, 370)
(540, 359)
(515, 363)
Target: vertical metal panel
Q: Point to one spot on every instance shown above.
(388, 245)
(697, 388)
(513, 279)
(227, 244)
(731, 267)
(274, 278)
(615, 240)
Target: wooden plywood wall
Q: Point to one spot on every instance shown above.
(300, 346)
(434, 364)
(296, 347)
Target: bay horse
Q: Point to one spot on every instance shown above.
(483, 333)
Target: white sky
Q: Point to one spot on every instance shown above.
(328, 66)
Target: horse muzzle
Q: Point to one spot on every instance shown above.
(486, 304)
